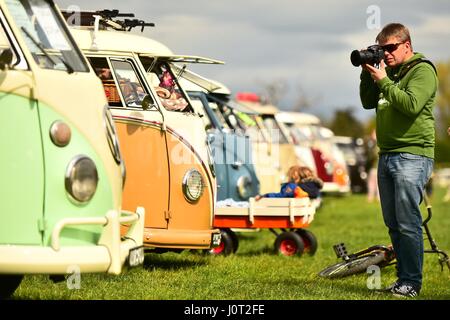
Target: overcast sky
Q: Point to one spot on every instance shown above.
(306, 43)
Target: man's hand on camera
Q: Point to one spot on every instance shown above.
(377, 74)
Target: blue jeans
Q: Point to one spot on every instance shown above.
(401, 181)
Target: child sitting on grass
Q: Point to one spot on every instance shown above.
(302, 183)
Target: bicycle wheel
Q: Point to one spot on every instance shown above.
(358, 265)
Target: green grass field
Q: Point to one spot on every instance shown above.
(255, 272)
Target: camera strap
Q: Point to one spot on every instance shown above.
(410, 65)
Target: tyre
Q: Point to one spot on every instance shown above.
(226, 245)
(358, 265)
(9, 284)
(289, 243)
(310, 241)
(235, 240)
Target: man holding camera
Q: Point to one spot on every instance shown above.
(403, 91)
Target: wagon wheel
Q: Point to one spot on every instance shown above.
(226, 245)
(309, 239)
(235, 240)
(289, 243)
(9, 284)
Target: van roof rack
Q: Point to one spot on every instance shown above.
(130, 24)
(107, 19)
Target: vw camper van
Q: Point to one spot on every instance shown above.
(280, 144)
(61, 167)
(264, 155)
(231, 149)
(168, 164)
(329, 160)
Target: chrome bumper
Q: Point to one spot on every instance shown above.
(108, 255)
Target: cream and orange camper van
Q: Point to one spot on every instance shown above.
(169, 169)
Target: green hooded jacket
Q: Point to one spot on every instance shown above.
(404, 107)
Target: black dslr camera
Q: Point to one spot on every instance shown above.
(372, 55)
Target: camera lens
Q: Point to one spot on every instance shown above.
(356, 58)
(372, 55)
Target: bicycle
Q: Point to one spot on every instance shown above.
(378, 255)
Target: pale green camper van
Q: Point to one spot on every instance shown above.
(61, 171)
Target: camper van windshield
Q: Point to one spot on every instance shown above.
(5, 45)
(274, 130)
(45, 36)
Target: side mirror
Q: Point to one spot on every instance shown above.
(147, 102)
(6, 58)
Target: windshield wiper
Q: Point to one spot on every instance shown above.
(67, 65)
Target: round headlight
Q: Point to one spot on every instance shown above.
(81, 178)
(193, 185)
(244, 185)
(329, 168)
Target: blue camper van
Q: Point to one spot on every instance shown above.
(231, 149)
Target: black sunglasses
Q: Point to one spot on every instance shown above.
(391, 47)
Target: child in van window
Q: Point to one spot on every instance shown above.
(302, 183)
(167, 82)
(104, 73)
(170, 99)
